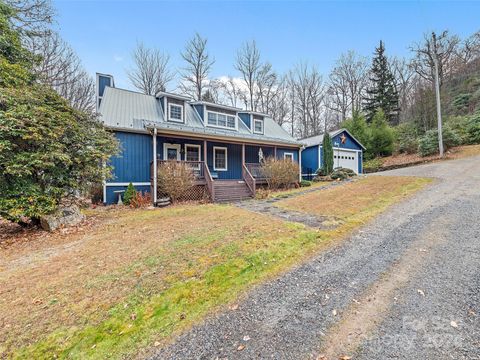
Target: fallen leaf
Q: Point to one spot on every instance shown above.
(246, 338)
(334, 312)
(133, 316)
(234, 307)
(471, 312)
(156, 344)
(421, 292)
(94, 346)
(345, 357)
(240, 347)
(453, 324)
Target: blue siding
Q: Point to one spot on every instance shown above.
(281, 151)
(234, 160)
(310, 160)
(251, 153)
(133, 163)
(199, 109)
(112, 198)
(349, 143)
(360, 162)
(245, 118)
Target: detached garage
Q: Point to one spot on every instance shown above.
(347, 153)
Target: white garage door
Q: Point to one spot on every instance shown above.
(345, 159)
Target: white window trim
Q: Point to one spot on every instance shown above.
(199, 153)
(285, 154)
(263, 126)
(182, 110)
(169, 145)
(226, 158)
(235, 117)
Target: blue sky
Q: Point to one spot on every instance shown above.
(103, 33)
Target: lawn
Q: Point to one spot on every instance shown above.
(136, 278)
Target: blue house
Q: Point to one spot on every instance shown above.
(222, 144)
(347, 153)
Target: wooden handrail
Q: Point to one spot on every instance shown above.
(249, 179)
(209, 181)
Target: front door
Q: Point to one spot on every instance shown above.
(171, 151)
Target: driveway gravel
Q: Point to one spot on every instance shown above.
(408, 284)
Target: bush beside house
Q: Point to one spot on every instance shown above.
(280, 173)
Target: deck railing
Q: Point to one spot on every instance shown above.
(196, 166)
(209, 181)
(255, 170)
(249, 179)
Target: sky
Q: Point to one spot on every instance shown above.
(104, 33)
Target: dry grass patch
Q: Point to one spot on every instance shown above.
(358, 200)
(136, 278)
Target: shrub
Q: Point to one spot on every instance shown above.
(473, 129)
(130, 193)
(372, 165)
(406, 138)
(428, 144)
(459, 124)
(96, 194)
(141, 200)
(49, 152)
(327, 154)
(321, 172)
(342, 174)
(175, 179)
(280, 173)
(305, 183)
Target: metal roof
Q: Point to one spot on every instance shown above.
(318, 139)
(125, 109)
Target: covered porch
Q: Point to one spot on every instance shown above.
(217, 165)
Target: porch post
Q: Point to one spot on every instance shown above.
(154, 197)
(243, 154)
(300, 163)
(274, 152)
(205, 152)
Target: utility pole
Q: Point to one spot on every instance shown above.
(437, 92)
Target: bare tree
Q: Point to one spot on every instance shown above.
(60, 68)
(405, 80)
(266, 88)
(468, 50)
(151, 73)
(279, 103)
(232, 91)
(199, 63)
(348, 81)
(248, 63)
(33, 18)
(445, 50)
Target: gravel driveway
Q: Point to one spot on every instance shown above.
(406, 286)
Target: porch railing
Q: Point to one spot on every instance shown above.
(196, 166)
(209, 181)
(249, 179)
(255, 170)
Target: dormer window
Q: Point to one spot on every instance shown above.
(175, 112)
(258, 126)
(221, 120)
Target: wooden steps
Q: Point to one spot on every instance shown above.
(231, 190)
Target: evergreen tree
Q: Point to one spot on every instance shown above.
(381, 135)
(327, 154)
(382, 92)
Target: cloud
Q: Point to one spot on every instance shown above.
(117, 58)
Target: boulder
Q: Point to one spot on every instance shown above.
(64, 216)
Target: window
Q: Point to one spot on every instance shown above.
(192, 153)
(175, 112)
(258, 126)
(219, 158)
(288, 156)
(221, 120)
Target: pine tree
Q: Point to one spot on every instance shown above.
(382, 93)
(327, 154)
